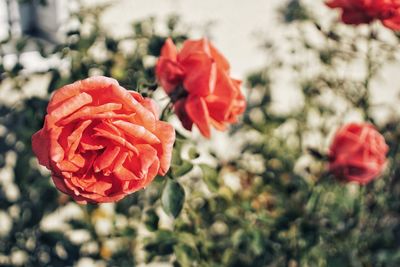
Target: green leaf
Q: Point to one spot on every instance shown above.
(338, 260)
(176, 155)
(193, 154)
(161, 244)
(151, 220)
(173, 198)
(257, 243)
(186, 255)
(21, 44)
(229, 257)
(187, 239)
(210, 177)
(182, 169)
(238, 237)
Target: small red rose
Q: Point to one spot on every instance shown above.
(366, 11)
(102, 142)
(358, 153)
(198, 81)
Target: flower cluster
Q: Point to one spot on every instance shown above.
(102, 142)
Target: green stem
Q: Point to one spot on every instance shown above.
(165, 111)
(365, 98)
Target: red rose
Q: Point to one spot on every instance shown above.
(365, 11)
(102, 142)
(198, 82)
(358, 153)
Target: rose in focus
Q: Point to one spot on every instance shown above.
(198, 81)
(358, 153)
(366, 11)
(102, 142)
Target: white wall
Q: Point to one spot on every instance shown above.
(236, 23)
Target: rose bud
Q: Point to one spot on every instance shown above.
(198, 81)
(357, 153)
(102, 142)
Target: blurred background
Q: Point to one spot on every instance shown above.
(257, 195)
(229, 22)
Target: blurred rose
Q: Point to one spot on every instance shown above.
(358, 153)
(198, 81)
(102, 142)
(365, 11)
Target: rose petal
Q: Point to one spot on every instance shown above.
(219, 58)
(63, 94)
(198, 112)
(70, 106)
(106, 90)
(200, 74)
(75, 137)
(169, 74)
(124, 174)
(96, 84)
(106, 159)
(147, 156)
(166, 134)
(135, 185)
(40, 146)
(393, 23)
(137, 131)
(226, 88)
(218, 108)
(180, 111)
(169, 50)
(152, 106)
(88, 142)
(119, 161)
(194, 46)
(59, 183)
(88, 112)
(78, 160)
(67, 166)
(99, 187)
(117, 139)
(56, 151)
